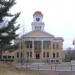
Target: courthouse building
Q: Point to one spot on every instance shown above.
(38, 44)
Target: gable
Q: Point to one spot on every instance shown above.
(38, 34)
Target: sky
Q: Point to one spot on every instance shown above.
(59, 17)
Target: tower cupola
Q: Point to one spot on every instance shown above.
(37, 23)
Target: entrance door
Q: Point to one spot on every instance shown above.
(37, 56)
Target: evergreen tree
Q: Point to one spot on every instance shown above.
(7, 29)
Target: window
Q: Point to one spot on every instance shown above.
(21, 45)
(57, 61)
(28, 44)
(53, 45)
(53, 55)
(44, 54)
(37, 45)
(27, 54)
(38, 28)
(47, 54)
(52, 61)
(13, 57)
(21, 54)
(4, 57)
(57, 55)
(30, 54)
(9, 56)
(46, 44)
(57, 45)
(17, 54)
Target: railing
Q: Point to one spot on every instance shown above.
(47, 67)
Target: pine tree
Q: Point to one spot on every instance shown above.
(7, 29)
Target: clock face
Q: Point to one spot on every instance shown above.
(38, 19)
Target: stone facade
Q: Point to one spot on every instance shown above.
(40, 45)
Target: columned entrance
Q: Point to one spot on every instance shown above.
(37, 55)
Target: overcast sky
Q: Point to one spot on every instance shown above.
(59, 17)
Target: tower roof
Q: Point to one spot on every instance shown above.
(38, 13)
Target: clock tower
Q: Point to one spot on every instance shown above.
(37, 24)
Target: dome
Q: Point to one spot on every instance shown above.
(38, 13)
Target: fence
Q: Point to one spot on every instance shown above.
(47, 67)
